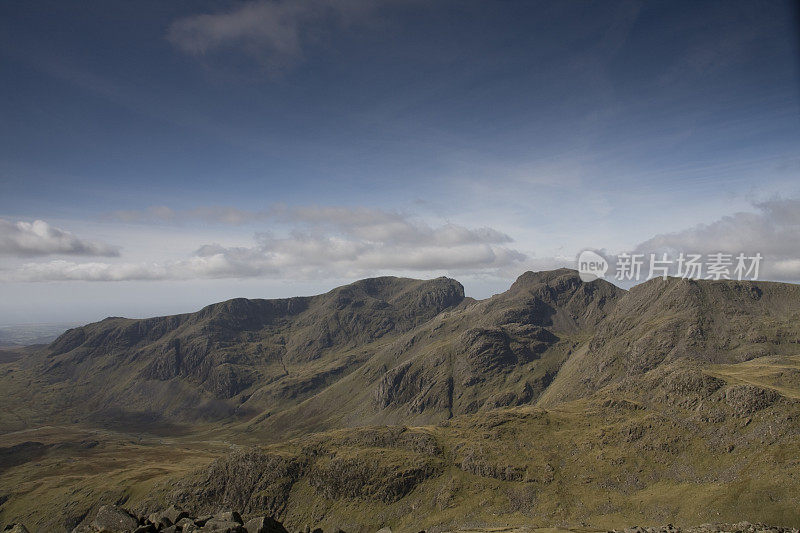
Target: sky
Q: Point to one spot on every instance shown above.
(159, 156)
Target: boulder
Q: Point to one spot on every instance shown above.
(185, 522)
(112, 518)
(264, 524)
(230, 516)
(201, 520)
(174, 514)
(16, 528)
(218, 525)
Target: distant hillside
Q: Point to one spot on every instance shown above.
(228, 360)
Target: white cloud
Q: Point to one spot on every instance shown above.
(387, 226)
(274, 31)
(40, 238)
(325, 243)
(773, 230)
(359, 222)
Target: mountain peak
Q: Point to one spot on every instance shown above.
(545, 276)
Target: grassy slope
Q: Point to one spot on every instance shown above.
(619, 458)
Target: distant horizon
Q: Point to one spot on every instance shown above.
(78, 323)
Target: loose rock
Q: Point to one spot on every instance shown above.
(112, 518)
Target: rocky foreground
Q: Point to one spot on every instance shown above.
(113, 519)
(740, 527)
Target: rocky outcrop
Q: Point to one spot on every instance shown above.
(113, 519)
(369, 464)
(250, 480)
(747, 399)
(369, 479)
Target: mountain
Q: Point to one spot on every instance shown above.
(229, 359)
(686, 323)
(400, 402)
(503, 351)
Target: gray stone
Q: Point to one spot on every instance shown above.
(223, 526)
(185, 522)
(201, 520)
(174, 514)
(230, 516)
(112, 518)
(264, 524)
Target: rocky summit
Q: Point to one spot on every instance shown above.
(402, 404)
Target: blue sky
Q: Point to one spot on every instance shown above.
(178, 153)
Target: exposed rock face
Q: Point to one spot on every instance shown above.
(747, 399)
(370, 464)
(250, 480)
(693, 381)
(415, 388)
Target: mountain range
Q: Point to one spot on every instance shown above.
(401, 402)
